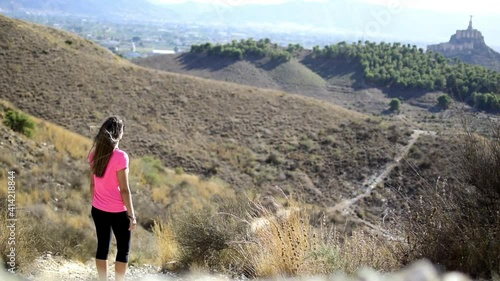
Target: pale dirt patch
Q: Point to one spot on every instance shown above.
(50, 267)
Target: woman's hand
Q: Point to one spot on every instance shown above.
(133, 223)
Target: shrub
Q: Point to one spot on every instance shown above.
(179, 170)
(19, 122)
(444, 101)
(203, 235)
(487, 101)
(458, 225)
(152, 169)
(480, 163)
(395, 105)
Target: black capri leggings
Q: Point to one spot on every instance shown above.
(119, 223)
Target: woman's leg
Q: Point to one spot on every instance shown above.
(103, 232)
(120, 270)
(102, 269)
(120, 225)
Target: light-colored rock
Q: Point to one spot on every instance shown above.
(455, 276)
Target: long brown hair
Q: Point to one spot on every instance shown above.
(105, 142)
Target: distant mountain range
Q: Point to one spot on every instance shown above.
(103, 9)
(296, 12)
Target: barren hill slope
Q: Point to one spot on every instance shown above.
(247, 136)
(291, 76)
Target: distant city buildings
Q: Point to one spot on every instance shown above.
(163, 52)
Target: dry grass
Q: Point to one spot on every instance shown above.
(279, 245)
(168, 248)
(65, 142)
(290, 245)
(237, 237)
(26, 236)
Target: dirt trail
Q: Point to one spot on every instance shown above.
(57, 268)
(371, 183)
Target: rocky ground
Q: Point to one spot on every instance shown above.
(49, 267)
(56, 268)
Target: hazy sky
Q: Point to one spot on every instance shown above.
(429, 20)
(476, 7)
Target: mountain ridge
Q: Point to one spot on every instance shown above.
(120, 10)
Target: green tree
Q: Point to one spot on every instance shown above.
(444, 101)
(395, 105)
(480, 101)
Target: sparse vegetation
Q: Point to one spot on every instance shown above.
(454, 221)
(450, 230)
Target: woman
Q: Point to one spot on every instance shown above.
(112, 208)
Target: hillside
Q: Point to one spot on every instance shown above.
(486, 57)
(246, 136)
(51, 182)
(290, 76)
(398, 70)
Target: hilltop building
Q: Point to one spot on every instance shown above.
(462, 40)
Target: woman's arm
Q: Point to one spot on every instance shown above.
(126, 195)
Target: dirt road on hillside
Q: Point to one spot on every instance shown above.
(372, 182)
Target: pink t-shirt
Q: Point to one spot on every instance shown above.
(107, 195)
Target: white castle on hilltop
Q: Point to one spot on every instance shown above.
(462, 40)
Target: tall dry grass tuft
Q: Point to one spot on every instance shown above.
(168, 248)
(279, 244)
(458, 226)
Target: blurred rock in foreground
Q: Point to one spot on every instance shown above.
(419, 271)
